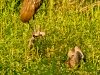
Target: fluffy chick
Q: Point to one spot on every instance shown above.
(74, 57)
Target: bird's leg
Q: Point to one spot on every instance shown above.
(30, 27)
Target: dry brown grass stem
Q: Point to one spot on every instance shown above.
(88, 7)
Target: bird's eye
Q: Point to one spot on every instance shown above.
(33, 35)
(72, 55)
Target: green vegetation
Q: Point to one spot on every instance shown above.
(65, 27)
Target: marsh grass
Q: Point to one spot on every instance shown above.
(65, 27)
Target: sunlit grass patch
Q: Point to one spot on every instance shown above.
(65, 27)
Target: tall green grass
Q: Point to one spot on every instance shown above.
(65, 28)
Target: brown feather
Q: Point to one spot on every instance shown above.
(28, 9)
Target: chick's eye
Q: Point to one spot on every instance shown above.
(33, 35)
(72, 55)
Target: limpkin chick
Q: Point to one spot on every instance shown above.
(34, 37)
(75, 56)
